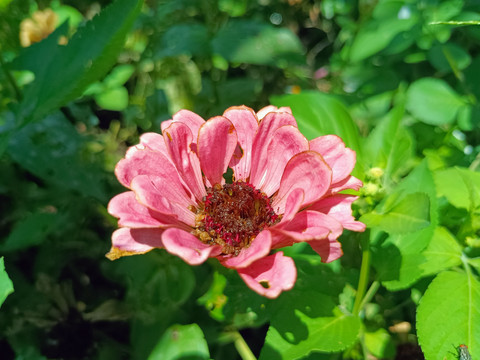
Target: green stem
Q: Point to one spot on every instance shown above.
(243, 348)
(369, 295)
(364, 272)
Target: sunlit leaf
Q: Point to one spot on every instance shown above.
(449, 315)
(6, 285)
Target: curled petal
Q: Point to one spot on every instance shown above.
(127, 242)
(187, 246)
(192, 120)
(287, 141)
(292, 206)
(178, 139)
(131, 213)
(270, 275)
(307, 171)
(340, 159)
(350, 182)
(328, 249)
(267, 128)
(271, 108)
(164, 195)
(154, 142)
(246, 125)
(141, 161)
(339, 206)
(259, 248)
(217, 141)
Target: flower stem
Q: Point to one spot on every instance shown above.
(364, 272)
(243, 348)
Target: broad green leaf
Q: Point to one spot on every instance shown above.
(398, 258)
(380, 344)
(321, 114)
(181, 342)
(51, 149)
(308, 322)
(411, 213)
(389, 145)
(252, 42)
(449, 57)
(6, 285)
(115, 99)
(449, 315)
(31, 231)
(460, 186)
(62, 73)
(433, 101)
(183, 39)
(379, 32)
(442, 253)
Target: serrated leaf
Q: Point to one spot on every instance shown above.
(433, 101)
(321, 114)
(398, 258)
(460, 186)
(411, 213)
(308, 322)
(62, 73)
(442, 253)
(181, 342)
(6, 285)
(449, 315)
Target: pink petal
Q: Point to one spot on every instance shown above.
(292, 206)
(307, 225)
(132, 214)
(217, 141)
(127, 242)
(307, 171)
(340, 159)
(192, 120)
(287, 141)
(270, 108)
(329, 250)
(141, 161)
(350, 182)
(187, 246)
(267, 128)
(340, 207)
(259, 248)
(154, 142)
(246, 125)
(178, 139)
(165, 195)
(270, 275)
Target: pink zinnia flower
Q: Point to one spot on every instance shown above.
(285, 189)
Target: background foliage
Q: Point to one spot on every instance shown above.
(401, 91)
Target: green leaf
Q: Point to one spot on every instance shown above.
(62, 73)
(460, 186)
(389, 145)
(380, 344)
(181, 342)
(183, 39)
(119, 76)
(433, 101)
(308, 321)
(51, 149)
(398, 258)
(449, 315)
(448, 57)
(411, 213)
(321, 114)
(6, 285)
(253, 42)
(115, 99)
(31, 231)
(442, 253)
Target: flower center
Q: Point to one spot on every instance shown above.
(232, 216)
